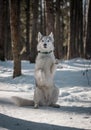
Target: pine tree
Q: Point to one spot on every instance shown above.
(76, 28)
(34, 31)
(15, 37)
(88, 39)
(2, 30)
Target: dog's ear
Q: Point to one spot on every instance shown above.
(39, 36)
(52, 37)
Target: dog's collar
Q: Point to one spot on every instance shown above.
(45, 52)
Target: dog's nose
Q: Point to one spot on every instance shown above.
(45, 45)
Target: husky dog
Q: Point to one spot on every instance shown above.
(46, 93)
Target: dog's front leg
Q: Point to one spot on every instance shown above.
(53, 69)
(40, 77)
(36, 98)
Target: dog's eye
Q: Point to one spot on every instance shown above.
(42, 40)
(48, 40)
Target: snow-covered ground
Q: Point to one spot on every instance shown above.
(73, 78)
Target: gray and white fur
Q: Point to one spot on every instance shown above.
(46, 93)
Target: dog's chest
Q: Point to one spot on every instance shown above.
(44, 62)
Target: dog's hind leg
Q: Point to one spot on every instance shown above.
(55, 105)
(54, 98)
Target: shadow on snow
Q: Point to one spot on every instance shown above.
(10, 123)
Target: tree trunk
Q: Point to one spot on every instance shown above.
(81, 42)
(79, 26)
(28, 27)
(2, 30)
(88, 39)
(44, 18)
(15, 37)
(58, 31)
(8, 47)
(85, 13)
(76, 28)
(34, 31)
(40, 18)
(49, 10)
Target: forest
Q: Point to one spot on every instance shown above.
(21, 20)
(24, 78)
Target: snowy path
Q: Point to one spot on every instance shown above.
(70, 118)
(74, 99)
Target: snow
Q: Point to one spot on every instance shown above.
(73, 77)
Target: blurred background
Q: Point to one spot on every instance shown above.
(69, 20)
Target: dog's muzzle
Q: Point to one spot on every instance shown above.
(45, 45)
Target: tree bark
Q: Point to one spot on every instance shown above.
(2, 30)
(76, 28)
(28, 27)
(49, 10)
(15, 37)
(88, 39)
(8, 47)
(58, 31)
(34, 31)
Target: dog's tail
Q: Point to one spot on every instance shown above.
(22, 102)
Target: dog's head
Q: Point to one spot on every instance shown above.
(45, 43)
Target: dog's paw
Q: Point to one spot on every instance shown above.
(56, 61)
(36, 106)
(55, 105)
